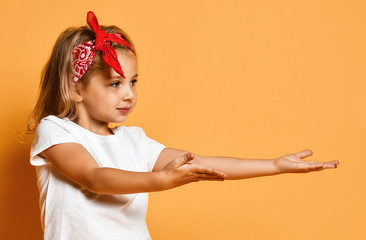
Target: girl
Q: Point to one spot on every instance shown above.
(94, 180)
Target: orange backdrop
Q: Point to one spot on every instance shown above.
(250, 79)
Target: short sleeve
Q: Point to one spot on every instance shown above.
(153, 150)
(49, 132)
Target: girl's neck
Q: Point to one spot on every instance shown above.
(97, 127)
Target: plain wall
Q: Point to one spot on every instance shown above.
(250, 79)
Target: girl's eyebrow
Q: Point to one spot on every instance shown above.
(118, 76)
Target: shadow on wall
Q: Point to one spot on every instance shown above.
(19, 208)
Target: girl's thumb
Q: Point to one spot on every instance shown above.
(185, 158)
(304, 153)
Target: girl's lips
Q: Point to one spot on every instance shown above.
(124, 110)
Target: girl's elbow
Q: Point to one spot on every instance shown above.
(91, 183)
(95, 187)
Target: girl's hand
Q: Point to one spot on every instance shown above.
(179, 172)
(293, 163)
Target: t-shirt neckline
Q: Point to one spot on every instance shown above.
(95, 135)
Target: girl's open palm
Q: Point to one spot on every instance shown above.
(294, 163)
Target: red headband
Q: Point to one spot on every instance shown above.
(83, 54)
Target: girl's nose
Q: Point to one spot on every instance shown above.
(128, 93)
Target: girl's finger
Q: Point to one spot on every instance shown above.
(184, 159)
(208, 177)
(211, 179)
(330, 164)
(206, 170)
(313, 164)
(316, 164)
(335, 162)
(304, 153)
(310, 165)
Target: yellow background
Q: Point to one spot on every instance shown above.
(250, 79)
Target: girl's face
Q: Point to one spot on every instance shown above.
(109, 97)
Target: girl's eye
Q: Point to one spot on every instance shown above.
(133, 82)
(115, 84)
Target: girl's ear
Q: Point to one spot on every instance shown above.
(77, 92)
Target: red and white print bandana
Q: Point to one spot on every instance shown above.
(83, 54)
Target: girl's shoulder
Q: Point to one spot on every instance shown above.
(53, 127)
(50, 122)
(129, 131)
(53, 123)
(53, 119)
(135, 134)
(129, 128)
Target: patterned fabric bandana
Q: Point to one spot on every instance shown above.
(83, 54)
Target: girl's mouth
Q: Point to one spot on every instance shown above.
(124, 110)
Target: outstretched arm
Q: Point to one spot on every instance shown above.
(76, 163)
(239, 168)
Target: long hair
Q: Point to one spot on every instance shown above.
(55, 95)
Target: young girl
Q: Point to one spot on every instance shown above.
(94, 180)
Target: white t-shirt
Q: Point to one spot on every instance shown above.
(69, 211)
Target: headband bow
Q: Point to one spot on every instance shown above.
(83, 54)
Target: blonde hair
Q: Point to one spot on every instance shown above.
(56, 87)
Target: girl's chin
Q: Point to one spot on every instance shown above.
(119, 119)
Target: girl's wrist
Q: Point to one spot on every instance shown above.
(275, 169)
(161, 181)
